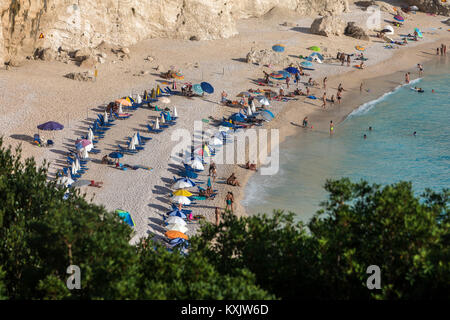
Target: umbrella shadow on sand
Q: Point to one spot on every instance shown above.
(157, 227)
(158, 207)
(22, 137)
(61, 152)
(301, 29)
(161, 190)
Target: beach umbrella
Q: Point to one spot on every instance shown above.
(181, 200)
(177, 75)
(223, 129)
(163, 119)
(249, 111)
(124, 102)
(278, 48)
(73, 168)
(135, 138)
(284, 73)
(126, 217)
(206, 87)
(197, 163)
(77, 164)
(359, 48)
(316, 54)
(105, 117)
(306, 64)
(244, 94)
(132, 145)
(189, 174)
(267, 115)
(183, 183)
(237, 117)
(182, 192)
(414, 8)
(82, 143)
(314, 48)
(84, 153)
(176, 217)
(177, 227)
(50, 126)
(316, 59)
(156, 124)
(171, 234)
(116, 155)
(197, 89)
(120, 109)
(175, 114)
(253, 106)
(292, 70)
(277, 76)
(263, 100)
(388, 30)
(419, 33)
(90, 135)
(66, 181)
(214, 141)
(399, 18)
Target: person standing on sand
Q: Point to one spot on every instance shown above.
(331, 127)
(420, 67)
(214, 173)
(437, 51)
(325, 83)
(212, 166)
(348, 60)
(324, 100)
(288, 79)
(360, 87)
(407, 78)
(229, 199)
(217, 212)
(307, 91)
(339, 97)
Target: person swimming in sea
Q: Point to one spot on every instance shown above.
(331, 127)
(365, 136)
(414, 134)
(370, 128)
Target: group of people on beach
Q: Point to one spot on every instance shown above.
(442, 50)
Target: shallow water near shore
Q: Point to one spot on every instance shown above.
(390, 153)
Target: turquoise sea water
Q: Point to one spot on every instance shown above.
(389, 154)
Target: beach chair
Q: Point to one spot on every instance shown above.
(137, 147)
(151, 130)
(122, 116)
(127, 151)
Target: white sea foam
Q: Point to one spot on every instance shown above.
(366, 107)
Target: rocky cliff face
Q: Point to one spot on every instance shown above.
(432, 6)
(75, 24)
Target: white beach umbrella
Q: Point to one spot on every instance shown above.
(197, 164)
(90, 135)
(176, 220)
(390, 28)
(177, 227)
(156, 124)
(253, 106)
(120, 108)
(263, 100)
(84, 153)
(105, 115)
(132, 145)
(77, 164)
(73, 169)
(175, 114)
(181, 185)
(135, 138)
(223, 129)
(139, 99)
(163, 120)
(215, 141)
(66, 181)
(249, 111)
(181, 200)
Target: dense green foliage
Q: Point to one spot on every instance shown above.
(41, 235)
(360, 225)
(257, 257)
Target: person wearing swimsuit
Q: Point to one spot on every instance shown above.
(331, 127)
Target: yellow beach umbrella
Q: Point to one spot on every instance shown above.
(124, 102)
(182, 192)
(158, 90)
(153, 93)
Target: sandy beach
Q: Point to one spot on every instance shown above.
(37, 92)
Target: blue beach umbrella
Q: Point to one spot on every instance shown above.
(187, 181)
(306, 64)
(206, 87)
(126, 217)
(176, 213)
(267, 115)
(237, 117)
(399, 18)
(292, 70)
(284, 73)
(197, 89)
(50, 126)
(190, 174)
(278, 48)
(116, 155)
(317, 55)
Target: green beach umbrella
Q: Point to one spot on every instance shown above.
(314, 48)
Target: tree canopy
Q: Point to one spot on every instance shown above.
(254, 257)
